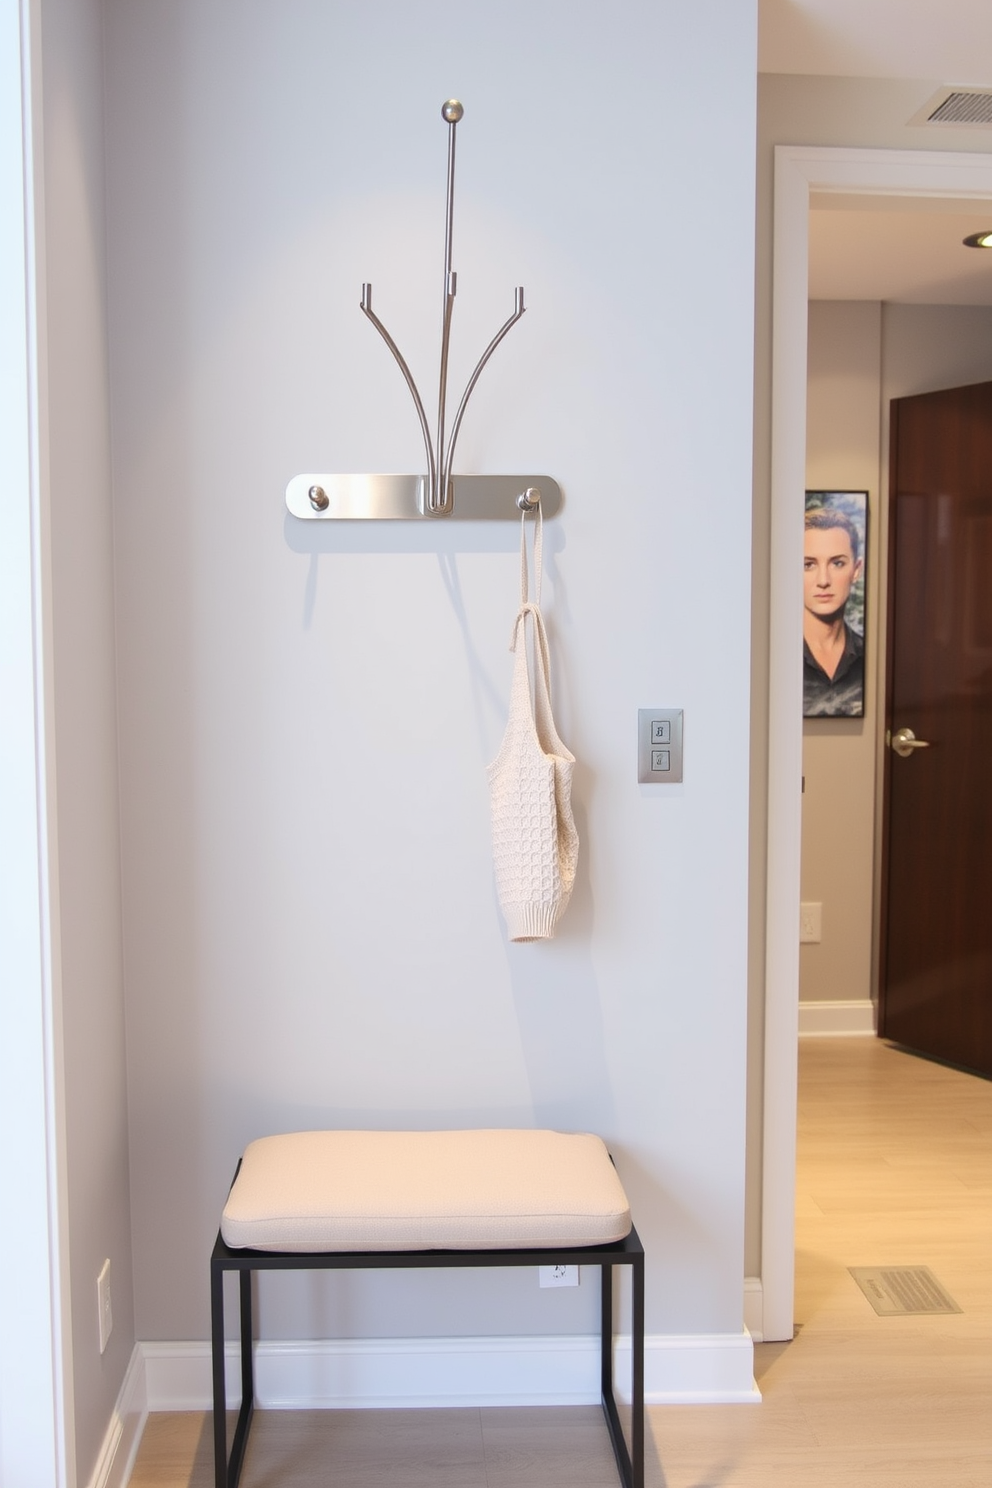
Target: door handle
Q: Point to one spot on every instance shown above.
(904, 741)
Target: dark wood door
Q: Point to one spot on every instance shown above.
(936, 993)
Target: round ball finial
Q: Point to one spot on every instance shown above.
(452, 110)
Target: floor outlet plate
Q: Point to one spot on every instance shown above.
(558, 1276)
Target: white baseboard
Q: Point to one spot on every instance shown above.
(410, 1372)
(820, 1019)
(697, 1369)
(120, 1444)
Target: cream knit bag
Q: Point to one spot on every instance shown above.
(535, 844)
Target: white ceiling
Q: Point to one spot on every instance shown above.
(896, 249)
(949, 40)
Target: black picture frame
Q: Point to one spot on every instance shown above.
(834, 604)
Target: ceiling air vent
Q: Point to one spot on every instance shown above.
(968, 106)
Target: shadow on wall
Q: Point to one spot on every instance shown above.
(556, 997)
(559, 1016)
(445, 536)
(554, 986)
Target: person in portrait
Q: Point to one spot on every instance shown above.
(833, 651)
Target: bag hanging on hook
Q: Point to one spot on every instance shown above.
(535, 844)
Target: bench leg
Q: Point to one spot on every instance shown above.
(228, 1471)
(630, 1464)
(637, 1371)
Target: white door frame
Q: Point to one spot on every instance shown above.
(798, 171)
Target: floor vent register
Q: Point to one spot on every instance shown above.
(901, 1291)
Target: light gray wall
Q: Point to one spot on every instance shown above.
(77, 450)
(842, 453)
(311, 932)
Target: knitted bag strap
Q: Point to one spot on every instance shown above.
(538, 544)
(538, 703)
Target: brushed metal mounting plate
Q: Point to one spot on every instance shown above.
(365, 498)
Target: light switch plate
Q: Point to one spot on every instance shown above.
(659, 746)
(810, 923)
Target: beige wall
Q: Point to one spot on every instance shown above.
(861, 355)
(842, 453)
(927, 347)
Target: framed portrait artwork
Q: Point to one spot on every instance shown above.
(834, 564)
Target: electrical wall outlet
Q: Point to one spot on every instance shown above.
(555, 1276)
(810, 924)
(104, 1311)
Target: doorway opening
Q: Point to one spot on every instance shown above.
(800, 171)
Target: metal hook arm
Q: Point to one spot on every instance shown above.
(366, 306)
(518, 309)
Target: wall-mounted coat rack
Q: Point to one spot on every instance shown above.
(439, 493)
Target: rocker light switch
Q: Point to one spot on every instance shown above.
(657, 726)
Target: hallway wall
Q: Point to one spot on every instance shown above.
(843, 432)
(861, 356)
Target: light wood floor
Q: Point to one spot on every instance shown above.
(895, 1168)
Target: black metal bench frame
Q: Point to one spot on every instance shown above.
(627, 1252)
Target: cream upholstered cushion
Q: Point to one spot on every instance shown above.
(425, 1190)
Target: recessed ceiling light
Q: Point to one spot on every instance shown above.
(979, 240)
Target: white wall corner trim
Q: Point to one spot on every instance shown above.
(36, 1385)
(423, 1372)
(823, 1019)
(800, 169)
(754, 1308)
(123, 1435)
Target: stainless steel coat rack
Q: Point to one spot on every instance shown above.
(438, 493)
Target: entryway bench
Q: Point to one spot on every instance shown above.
(347, 1200)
